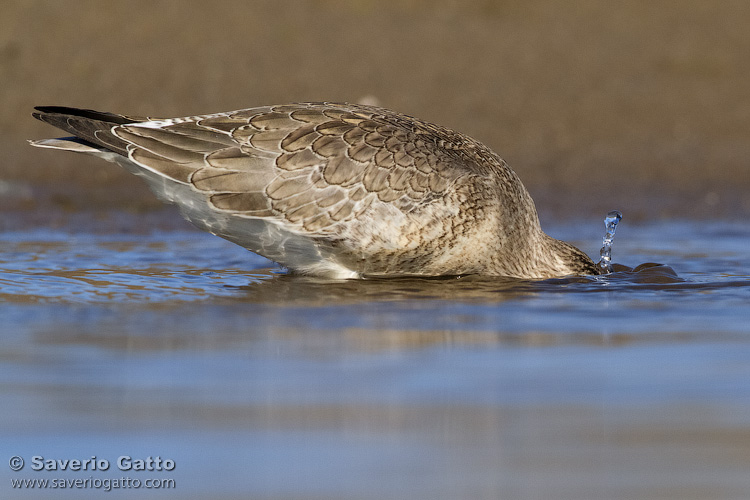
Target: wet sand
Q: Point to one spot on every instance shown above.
(638, 106)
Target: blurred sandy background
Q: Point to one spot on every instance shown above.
(642, 106)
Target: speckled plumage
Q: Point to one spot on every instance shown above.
(336, 190)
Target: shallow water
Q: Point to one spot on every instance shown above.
(263, 385)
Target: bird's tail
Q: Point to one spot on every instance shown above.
(90, 128)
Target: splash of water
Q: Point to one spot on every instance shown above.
(610, 222)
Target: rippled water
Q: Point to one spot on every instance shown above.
(262, 385)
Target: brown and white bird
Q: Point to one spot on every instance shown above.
(333, 190)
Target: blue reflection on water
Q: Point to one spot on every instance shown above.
(264, 385)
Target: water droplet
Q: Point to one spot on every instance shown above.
(610, 222)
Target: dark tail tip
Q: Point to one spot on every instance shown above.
(82, 113)
(54, 109)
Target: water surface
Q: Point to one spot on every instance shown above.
(263, 385)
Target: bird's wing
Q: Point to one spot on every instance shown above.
(313, 165)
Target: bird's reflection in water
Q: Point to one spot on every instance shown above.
(282, 288)
(272, 286)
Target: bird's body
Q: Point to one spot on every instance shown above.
(334, 190)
